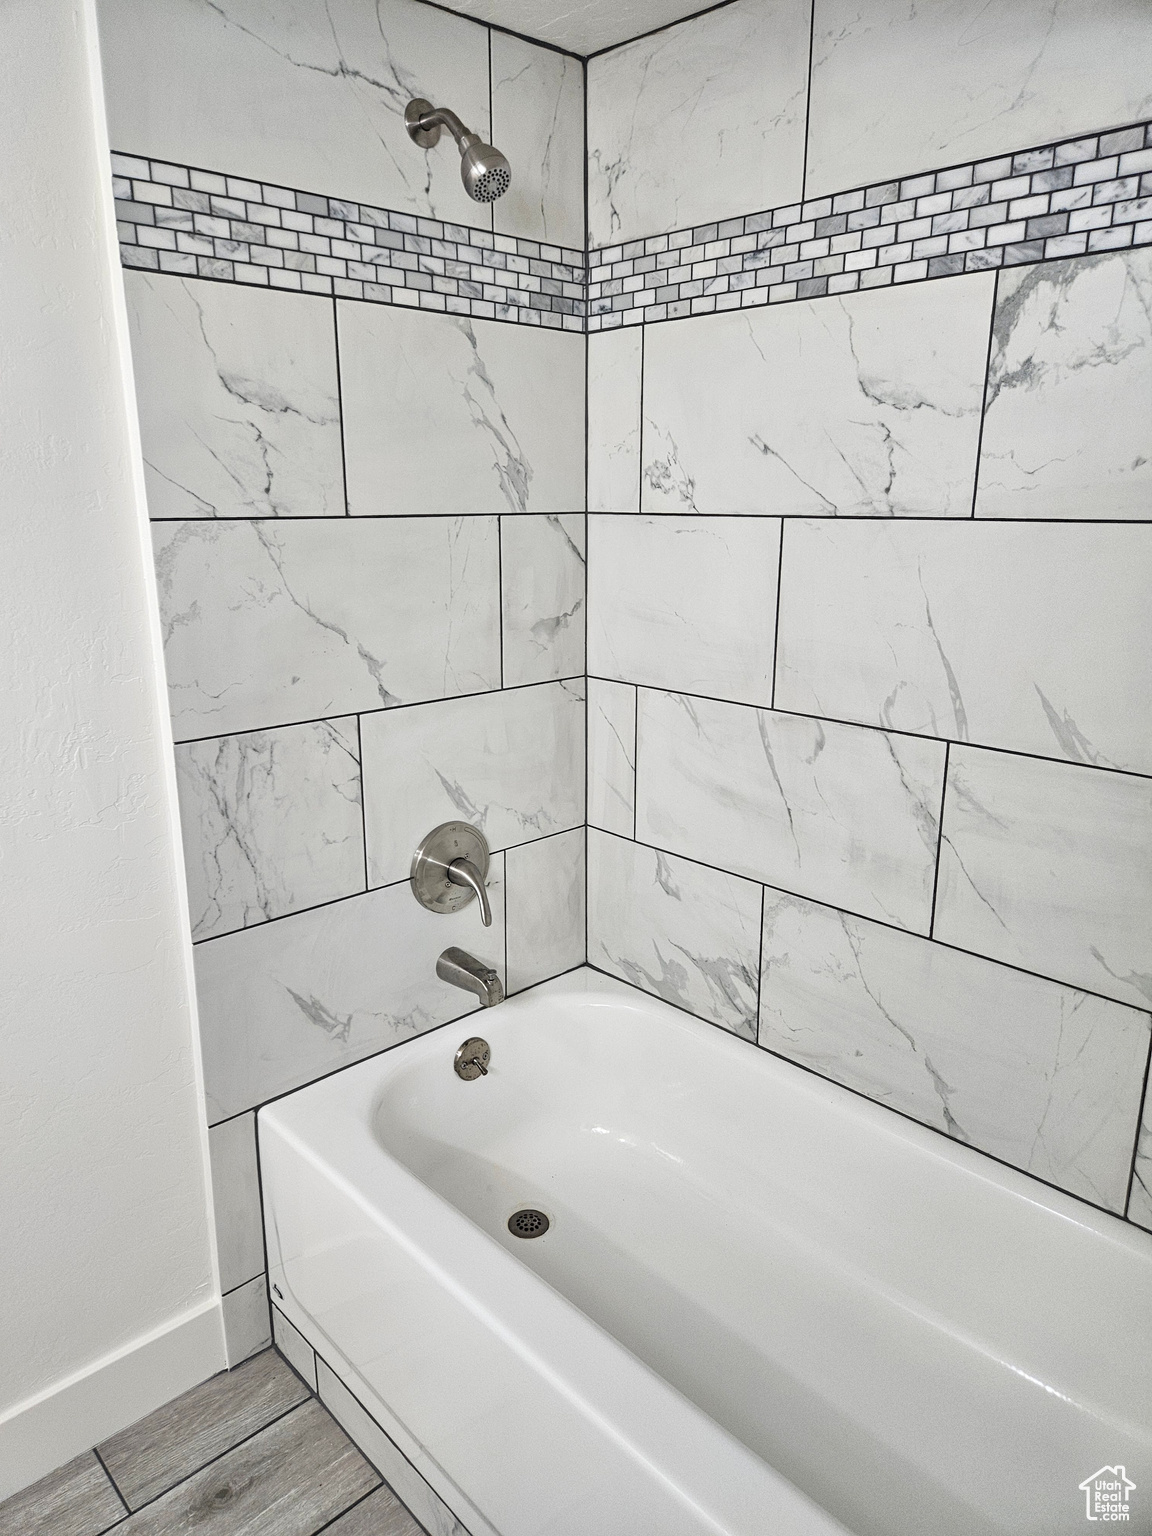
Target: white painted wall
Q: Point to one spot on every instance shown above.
(108, 1289)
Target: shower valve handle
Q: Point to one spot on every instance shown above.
(464, 872)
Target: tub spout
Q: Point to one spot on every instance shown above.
(461, 969)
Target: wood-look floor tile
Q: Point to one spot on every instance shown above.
(381, 1514)
(152, 1456)
(75, 1500)
(291, 1479)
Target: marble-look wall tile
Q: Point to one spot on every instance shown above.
(1140, 1199)
(701, 121)
(271, 823)
(289, 1002)
(542, 575)
(1010, 635)
(443, 414)
(865, 405)
(615, 360)
(1049, 866)
(297, 94)
(676, 929)
(247, 1321)
(545, 908)
(236, 391)
(538, 121)
(294, 1347)
(900, 88)
(236, 1200)
(835, 812)
(511, 763)
(1042, 1076)
(1070, 391)
(269, 622)
(612, 756)
(685, 603)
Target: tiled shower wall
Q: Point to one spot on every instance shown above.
(368, 525)
(870, 689)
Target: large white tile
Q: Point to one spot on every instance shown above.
(542, 576)
(866, 405)
(1140, 1199)
(1012, 635)
(899, 88)
(835, 812)
(236, 1200)
(1049, 866)
(298, 94)
(685, 603)
(443, 414)
(612, 756)
(538, 121)
(401, 1476)
(684, 932)
(294, 1347)
(1042, 1076)
(545, 908)
(511, 763)
(247, 1323)
(271, 822)
(1070, 391)
(615, 360)
(701, 121)
(269, 622)
(289, 1002)
(237, 397)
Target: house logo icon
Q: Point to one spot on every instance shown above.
(1107, 1495)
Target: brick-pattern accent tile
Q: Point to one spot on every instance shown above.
(1068, 199)
(194, 223)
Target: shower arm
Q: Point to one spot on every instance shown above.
(444, 117)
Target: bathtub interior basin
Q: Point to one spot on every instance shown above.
(786, 1306)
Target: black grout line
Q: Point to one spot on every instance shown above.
(829, 519)
(808, 102)
(500, 595)
(984, 392)
(336, 520)
(340, 412)
(776, 629)
(759, 964)
(635, 759)
(879, 922)
(939, 839)
(883, 730)
(363, 798)
(640, 427)
(495, 26)
(371, 890)
(823, 1077)
(491, 126)
(372, 1492)
(385, 709)
(679, 21)
(1139, 1128)
(111, 1479)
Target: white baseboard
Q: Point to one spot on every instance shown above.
(44, 1431)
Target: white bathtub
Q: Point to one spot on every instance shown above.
(764, 1306)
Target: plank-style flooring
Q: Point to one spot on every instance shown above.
(250, 1453)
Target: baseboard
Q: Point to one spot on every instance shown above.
(44, 1431)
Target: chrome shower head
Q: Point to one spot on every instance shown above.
(484, 171)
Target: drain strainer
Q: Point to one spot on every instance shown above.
(528, 1223)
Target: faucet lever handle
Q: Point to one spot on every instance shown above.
(464, 872)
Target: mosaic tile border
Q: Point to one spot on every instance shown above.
(195, 223)
(1072, 198)
(1076, 197)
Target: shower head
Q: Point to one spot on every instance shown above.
(484, 171)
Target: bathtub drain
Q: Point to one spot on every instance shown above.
(528, 1223)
